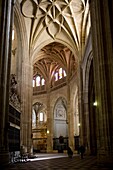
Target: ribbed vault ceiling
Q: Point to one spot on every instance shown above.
(52, 57)
(68, 18)
(58, 20)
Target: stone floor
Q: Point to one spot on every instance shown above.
(58, 162)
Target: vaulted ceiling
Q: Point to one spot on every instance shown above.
(52, 57)
(63, 26)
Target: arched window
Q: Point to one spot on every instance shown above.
(33, 118)
(43, 81)
(60, 73)
(64, 73)
(56, 76)
(41, 116)
(33, 83)
(38, 81)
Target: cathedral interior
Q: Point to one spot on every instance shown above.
(56, 82)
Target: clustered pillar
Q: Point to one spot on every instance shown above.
(6, 17)
(26, 116)
(103, 76)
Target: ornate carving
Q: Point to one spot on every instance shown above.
(37, 107)
(60, 112)
(14, 98)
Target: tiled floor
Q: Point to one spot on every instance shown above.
(59, 162)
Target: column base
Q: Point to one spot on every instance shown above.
(4, 158)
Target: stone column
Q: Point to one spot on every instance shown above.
(26, 116)
(49, 125)
(80, 105)
(86, 73)
(86, 140)
(70, 118)
(6, 16)
(103, 76)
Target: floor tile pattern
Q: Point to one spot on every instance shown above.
(63, 163)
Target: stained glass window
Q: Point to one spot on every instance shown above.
(60, 73)
(64, 73)
(38, 81)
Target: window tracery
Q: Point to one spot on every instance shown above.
(58, 74)
(38, 81)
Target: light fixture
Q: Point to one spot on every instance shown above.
(78, 124)
(47, 131)
(95, 103)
